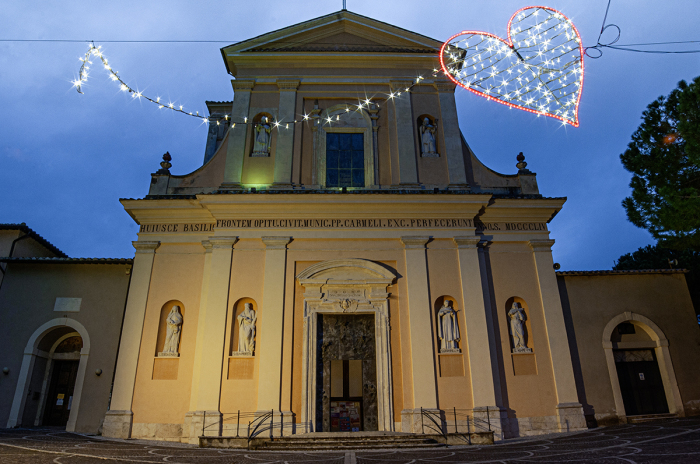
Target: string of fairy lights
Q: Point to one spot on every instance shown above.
(538, 69)
(94, 50)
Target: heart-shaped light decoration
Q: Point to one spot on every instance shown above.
(538, 69)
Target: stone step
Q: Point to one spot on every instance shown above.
(323, 442)
(348, 444)
(347, 441)
(649, 418)
(326, 447)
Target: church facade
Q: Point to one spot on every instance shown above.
(342, 261)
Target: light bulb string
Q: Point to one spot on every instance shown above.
(114, 75)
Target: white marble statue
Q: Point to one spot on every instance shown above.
(172, 337)
(262, 137)
(448, 329)
(427, 138)
(246, 329)
(517, 329)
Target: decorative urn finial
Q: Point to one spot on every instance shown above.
(522, 165)
(165, 164)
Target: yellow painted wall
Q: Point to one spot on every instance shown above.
(177, 275)
(513, 274)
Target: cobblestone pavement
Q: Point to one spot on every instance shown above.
(670, 441)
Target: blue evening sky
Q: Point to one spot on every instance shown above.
(66, 159)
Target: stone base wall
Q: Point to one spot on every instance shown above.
(162, 432)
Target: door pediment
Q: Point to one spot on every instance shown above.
(346, 271)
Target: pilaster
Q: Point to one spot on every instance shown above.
(235, 153)
(479, 334)
(211, 326)
(452, 134)
(408, 166)
(569, 410)
(271, 323)
(119, 418)
(193, 429)
(284, 150)
(420, 323)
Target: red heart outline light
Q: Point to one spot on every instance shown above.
(510, 45)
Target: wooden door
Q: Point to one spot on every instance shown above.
(640, 382)
(60, 397)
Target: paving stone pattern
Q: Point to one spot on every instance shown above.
(671, 441)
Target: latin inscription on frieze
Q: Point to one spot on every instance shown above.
(344, 224)
(345, 293)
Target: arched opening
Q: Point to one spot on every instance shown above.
(641, 372)
(638, 371)
(59, 380)
(345, 149)
(50, 381)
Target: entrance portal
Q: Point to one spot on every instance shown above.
(640, 382)
(60, 396)
(348, 367)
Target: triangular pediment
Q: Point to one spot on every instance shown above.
(340, 31)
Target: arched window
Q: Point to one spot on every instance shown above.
(345, 156)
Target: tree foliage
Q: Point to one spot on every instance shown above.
(664, 158)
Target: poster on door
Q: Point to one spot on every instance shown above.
(345, 416)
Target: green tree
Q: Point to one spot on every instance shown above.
(664, 159)
(658, 257)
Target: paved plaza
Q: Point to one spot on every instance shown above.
(671, 441)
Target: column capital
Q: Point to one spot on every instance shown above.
(243, 84)
(288, 84)
(541, 245)
(276, 243)
(400, 85)
(466, 242)
(445, 86)
(145, 247)
(412, 242)
(221, 242)
(207, 246)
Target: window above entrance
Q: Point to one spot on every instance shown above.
(345, 160)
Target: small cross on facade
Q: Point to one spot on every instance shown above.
(345, 5)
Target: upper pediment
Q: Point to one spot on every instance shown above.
(340, 31)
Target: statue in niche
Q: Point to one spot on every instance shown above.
(448, 329)
(427, 139)
(517, 329)
(172, 335)
(246, 330)
(263, 129)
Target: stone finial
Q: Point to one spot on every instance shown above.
(165, 164)
(522, 164)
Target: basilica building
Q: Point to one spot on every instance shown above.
(342, 261)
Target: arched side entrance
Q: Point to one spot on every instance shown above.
(57, 330)
(340, 288)
(656, 342)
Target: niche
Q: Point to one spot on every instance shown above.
(165, 366)
(427, 136)
(261, 141)
(517, 315)
(243, 339)
(449, 335)
(173, 350)
(244, 327)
